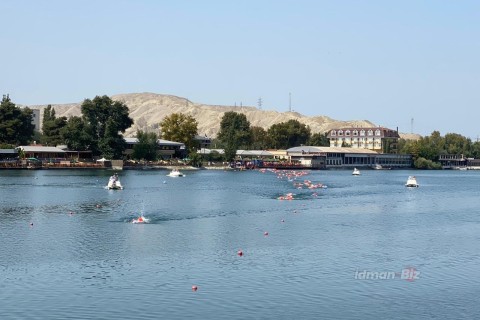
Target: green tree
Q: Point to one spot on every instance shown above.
(289, 134)
(179, 127)
(195, 160)
(234, 133)
(52, 126)
(319, 139)
(146, 148)
(422, 163)
(16, 127)
(475, 150)
(259, 138)
(457, 144)
(76, 135)
(105, 121)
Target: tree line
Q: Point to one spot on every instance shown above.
(103, 122)
(427, 150)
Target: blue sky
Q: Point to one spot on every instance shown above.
(384, 61)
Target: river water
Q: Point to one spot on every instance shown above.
(364, 248)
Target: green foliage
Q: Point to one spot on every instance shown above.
(146, 148)
(422, 163)
(319, 140)
(259, 138)
(455, 143)
(475, 150)
(179, 127)
(215, 156)
(105, 120)
(426, 150)
(76, 135)
(195, 159)
(288, 134)
(234, 133)
(16, 127)
(52, 127)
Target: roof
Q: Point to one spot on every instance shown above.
(159, 141)
(41, 149)
(245, 153)
(8, 151)
(314, 149)
(254, 153)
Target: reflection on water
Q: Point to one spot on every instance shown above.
(69, 249)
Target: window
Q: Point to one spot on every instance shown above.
(362, 133)
(370, 132)
(355, 132)
(347, 133)
(377, 132)
(333, 133)
(340, 132)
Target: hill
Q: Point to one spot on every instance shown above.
(148, 109)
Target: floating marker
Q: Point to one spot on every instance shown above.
(194, 288)
(240, 253)
(265, 233)
(31, 223)
(283, 220)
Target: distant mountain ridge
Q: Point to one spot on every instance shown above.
(148, 109)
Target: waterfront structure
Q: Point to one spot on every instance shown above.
(203, 141)
(338, 157)
(372, 138)
(279, 154)
(8, 154)
(458, 161)
(165, 148)
(42, 153)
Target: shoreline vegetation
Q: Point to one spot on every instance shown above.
(100, 131)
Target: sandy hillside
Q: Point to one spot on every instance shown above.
(148, 109)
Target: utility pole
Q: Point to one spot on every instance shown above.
(290, 101)
(260, 103)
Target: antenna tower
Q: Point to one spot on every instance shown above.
(290, 101)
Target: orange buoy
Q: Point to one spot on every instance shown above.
(194, 288)
(240, 253)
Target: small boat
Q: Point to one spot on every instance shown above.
(114, 183)
(356, 172)
(141, 219)
(380, 167)
(175, 173)
(412, 182)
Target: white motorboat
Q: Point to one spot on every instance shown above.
(412, 182)
(141, 219)
(175, 173)
(356, 172)
(114, 183)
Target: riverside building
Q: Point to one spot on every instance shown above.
(373, 138)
